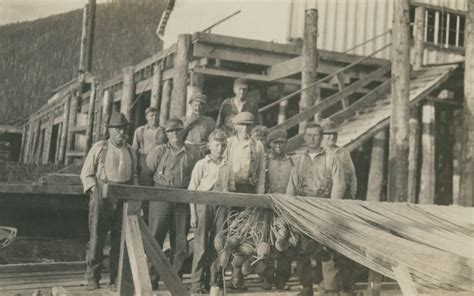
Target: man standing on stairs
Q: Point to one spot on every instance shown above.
(111, 161)
(232, 106)
(314, 174)
(198, 127)
(340, 154)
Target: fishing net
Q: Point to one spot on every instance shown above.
(434, 243)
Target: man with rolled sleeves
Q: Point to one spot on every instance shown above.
(235, 105)
(315, 174)
(246, 157)
(112, 161)
(172, 164)
(197, 126)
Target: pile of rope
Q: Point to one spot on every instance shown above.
(433, 243)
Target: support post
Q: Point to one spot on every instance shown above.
(47, 138)
(414, 143)
(128, 92)
(37, 131)
(64, 129)
(405, 281)
(165, 102)
(180, 79)
(400, 91)
(83, 50)
(156, 86)
(419, 31)
(428, 174)
(72, 122)
(107, 112)
(27, 146)
(23, 144)
(90, 34)
(90, 116)
(377, 167)
(310, 61)
(466, 194)
(196, 84)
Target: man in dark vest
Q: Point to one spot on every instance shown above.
(111, 161)
(197, 126)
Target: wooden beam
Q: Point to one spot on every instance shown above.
(180, 80)
(285, 69)
(428, 158)
(90, 116)
(156, 86)
(136, 253)
(107, 112)
(419, 30)
(414, 143)
(161, 263)
(72, 123)
(466, 194)
(64, 130)
(42, 189)
(165, 102)
(47, 139)
(125, 283)
(128, 92)
(90, 35)
(404, 280)
(249, 76)
(83, 48)
(398, 155)
(309, 75)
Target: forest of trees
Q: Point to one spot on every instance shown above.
(38, 56)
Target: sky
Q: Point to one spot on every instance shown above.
(26, 10)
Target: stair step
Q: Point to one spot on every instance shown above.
(74, 153)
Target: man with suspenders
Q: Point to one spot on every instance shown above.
(111, 161)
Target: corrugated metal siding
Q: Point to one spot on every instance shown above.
(343, 24)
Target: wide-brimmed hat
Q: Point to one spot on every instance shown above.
(117, 120)
(198, 97)
(329, 126)
(278, 135)
(244, 118)
(173, 124)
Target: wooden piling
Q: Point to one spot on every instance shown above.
(165, 102)
(128, 92)
(90, 116)
(419, 30)
(377, 167)
(310, 61)
(83, 49)
(156, 86)
(180, 79)
(72, 122)
(107, 112)
(64, 129)
(414, 143)
(466, 194)
(90, 34)
(398, 154)
(428, 174)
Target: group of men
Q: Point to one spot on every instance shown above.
(241, 158)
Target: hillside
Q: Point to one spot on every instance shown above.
(38, 56)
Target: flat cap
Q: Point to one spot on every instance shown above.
(198, 97)
(151, 109)
(244, 118)
(118, 120)
(260, 131)
(218, 135)
(279, 135)
(329, 126)
(173, 124)
(241, 81)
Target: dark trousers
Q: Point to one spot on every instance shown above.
(167, 217)
(211, 218)
(145, 178)
(105, 215)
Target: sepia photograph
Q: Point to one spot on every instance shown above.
(236, 147)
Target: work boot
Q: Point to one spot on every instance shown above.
(92, 284)
(155, 285)
(237, 284)
(306, 292)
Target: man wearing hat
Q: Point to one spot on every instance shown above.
(239, 103)
(171, 164)
(146, 138)
(340, 154)
(247, 160)
(278, 167)
(198, 127)
(212, 173)
(111, 161)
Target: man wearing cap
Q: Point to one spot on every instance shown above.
(239, 103)
(146, 138)
(171, 164)
(278, 167)
(314, 174)
(212, 173)
(341, 155)
(111, 161)
(247, 160)
(198, 127)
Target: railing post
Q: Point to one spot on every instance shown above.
(400, 91)
(419, 32)
(310, 62)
